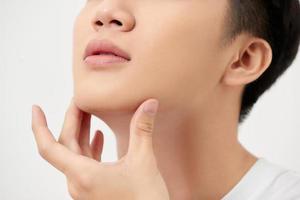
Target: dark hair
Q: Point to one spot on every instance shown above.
(277, 22)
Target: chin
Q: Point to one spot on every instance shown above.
(83, 103)
(100, 105)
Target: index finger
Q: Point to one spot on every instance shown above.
(55, 153)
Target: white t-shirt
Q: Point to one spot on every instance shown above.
(266, 181)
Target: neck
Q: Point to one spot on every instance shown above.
(196, 147)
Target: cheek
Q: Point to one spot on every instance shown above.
(174, 65)
(178, 63)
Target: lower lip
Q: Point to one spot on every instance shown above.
(103, 60)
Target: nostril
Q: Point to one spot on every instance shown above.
(99, 23)
(117, 22)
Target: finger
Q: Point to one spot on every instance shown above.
(84, 135)
(97, 145)
(141, 128)
(71, 128)
(55, 153)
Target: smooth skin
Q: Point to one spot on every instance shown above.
(177, 57)
(133, 177)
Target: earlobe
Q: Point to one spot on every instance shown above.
(249, 64)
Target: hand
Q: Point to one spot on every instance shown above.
(134, 177)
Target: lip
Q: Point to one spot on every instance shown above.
(96, 47)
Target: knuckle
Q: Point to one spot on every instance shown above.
(145, 126)
(73, 191)
(43, 150)
(84, 181)
(76, 192)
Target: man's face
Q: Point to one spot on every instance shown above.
(174, 47)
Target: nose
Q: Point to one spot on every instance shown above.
(113, 16)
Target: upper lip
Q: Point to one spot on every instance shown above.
(97, 46)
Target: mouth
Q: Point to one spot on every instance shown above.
(104, 60)
(105, 49)
(104, 53)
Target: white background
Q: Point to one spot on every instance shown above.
(35, 68)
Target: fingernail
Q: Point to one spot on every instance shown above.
(151, 107)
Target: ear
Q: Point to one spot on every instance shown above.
(249, 63)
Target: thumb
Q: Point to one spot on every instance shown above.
(141, 128)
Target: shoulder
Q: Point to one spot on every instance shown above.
(285, 186)
(268, 181)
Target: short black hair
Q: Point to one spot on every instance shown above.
(275, 21)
